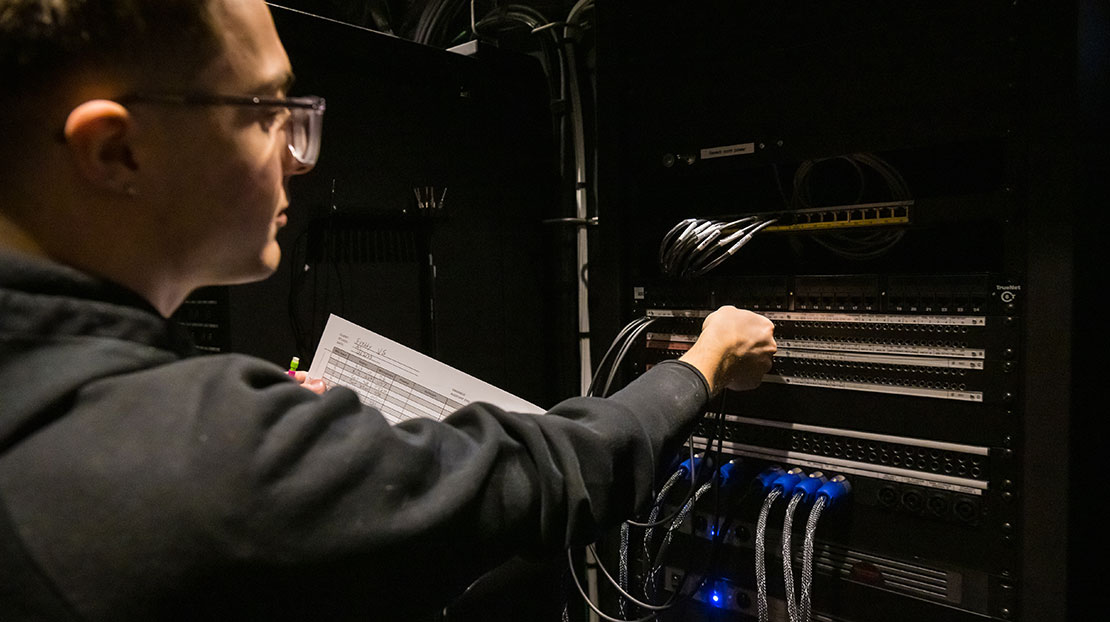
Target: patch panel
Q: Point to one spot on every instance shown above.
(904, 384)
(853, 447)
(967, 358)
(946, 295)
(882, 214)
(841, 557)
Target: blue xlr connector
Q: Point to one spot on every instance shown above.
(835, 490)
(809, 486)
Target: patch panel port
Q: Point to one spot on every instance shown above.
(913, 501)
(966, 509)
(938, 505)
(888, 496)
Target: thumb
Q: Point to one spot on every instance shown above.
(316, 385)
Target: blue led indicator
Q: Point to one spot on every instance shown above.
(719, 594)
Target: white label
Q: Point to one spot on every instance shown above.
(877, 318)
(965, 396)
(728, 150)
(889, 359)
(881, 348)
(691, 313)
(671, 337)
(858, 318)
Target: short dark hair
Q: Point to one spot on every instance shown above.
(44, 41)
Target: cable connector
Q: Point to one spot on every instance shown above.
(835, 490)
(809, 486)
(787, 481)
(766, 478)
(686, 467)
(730, 473)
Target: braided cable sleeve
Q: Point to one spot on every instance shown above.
(787, 557)
(670, 531)
(760, 552)
(649, 533)
(623, 567)
(805, 605)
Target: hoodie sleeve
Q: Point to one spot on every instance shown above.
(262, 498)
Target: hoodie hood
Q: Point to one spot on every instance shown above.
(59, 330)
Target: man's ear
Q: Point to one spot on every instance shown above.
(98, 133)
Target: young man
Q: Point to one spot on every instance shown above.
(146, 150)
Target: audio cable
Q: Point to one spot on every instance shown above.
(760, 547)
(692, 469)
(706, 261)
(695, 246)
(612, 360)
(829, 494)
(698, 467)
(787, 570)
(614, 356)
(724, 481)
(807, 559)
(803, 491)
(695, 471)
(688, 467)
(632, 338)
(653, 572)
(731, 474)
(655, 609)
(622, 561)
(786, 481)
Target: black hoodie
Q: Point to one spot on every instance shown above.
(139, 481)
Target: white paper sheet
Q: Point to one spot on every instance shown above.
(399, 381)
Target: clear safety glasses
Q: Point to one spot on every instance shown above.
(302, 128)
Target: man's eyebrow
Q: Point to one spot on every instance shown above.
(282, 84)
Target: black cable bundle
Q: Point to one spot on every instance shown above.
(695, 468)
(695, 246)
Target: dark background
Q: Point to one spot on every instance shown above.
(402, 116)
(995, 113)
